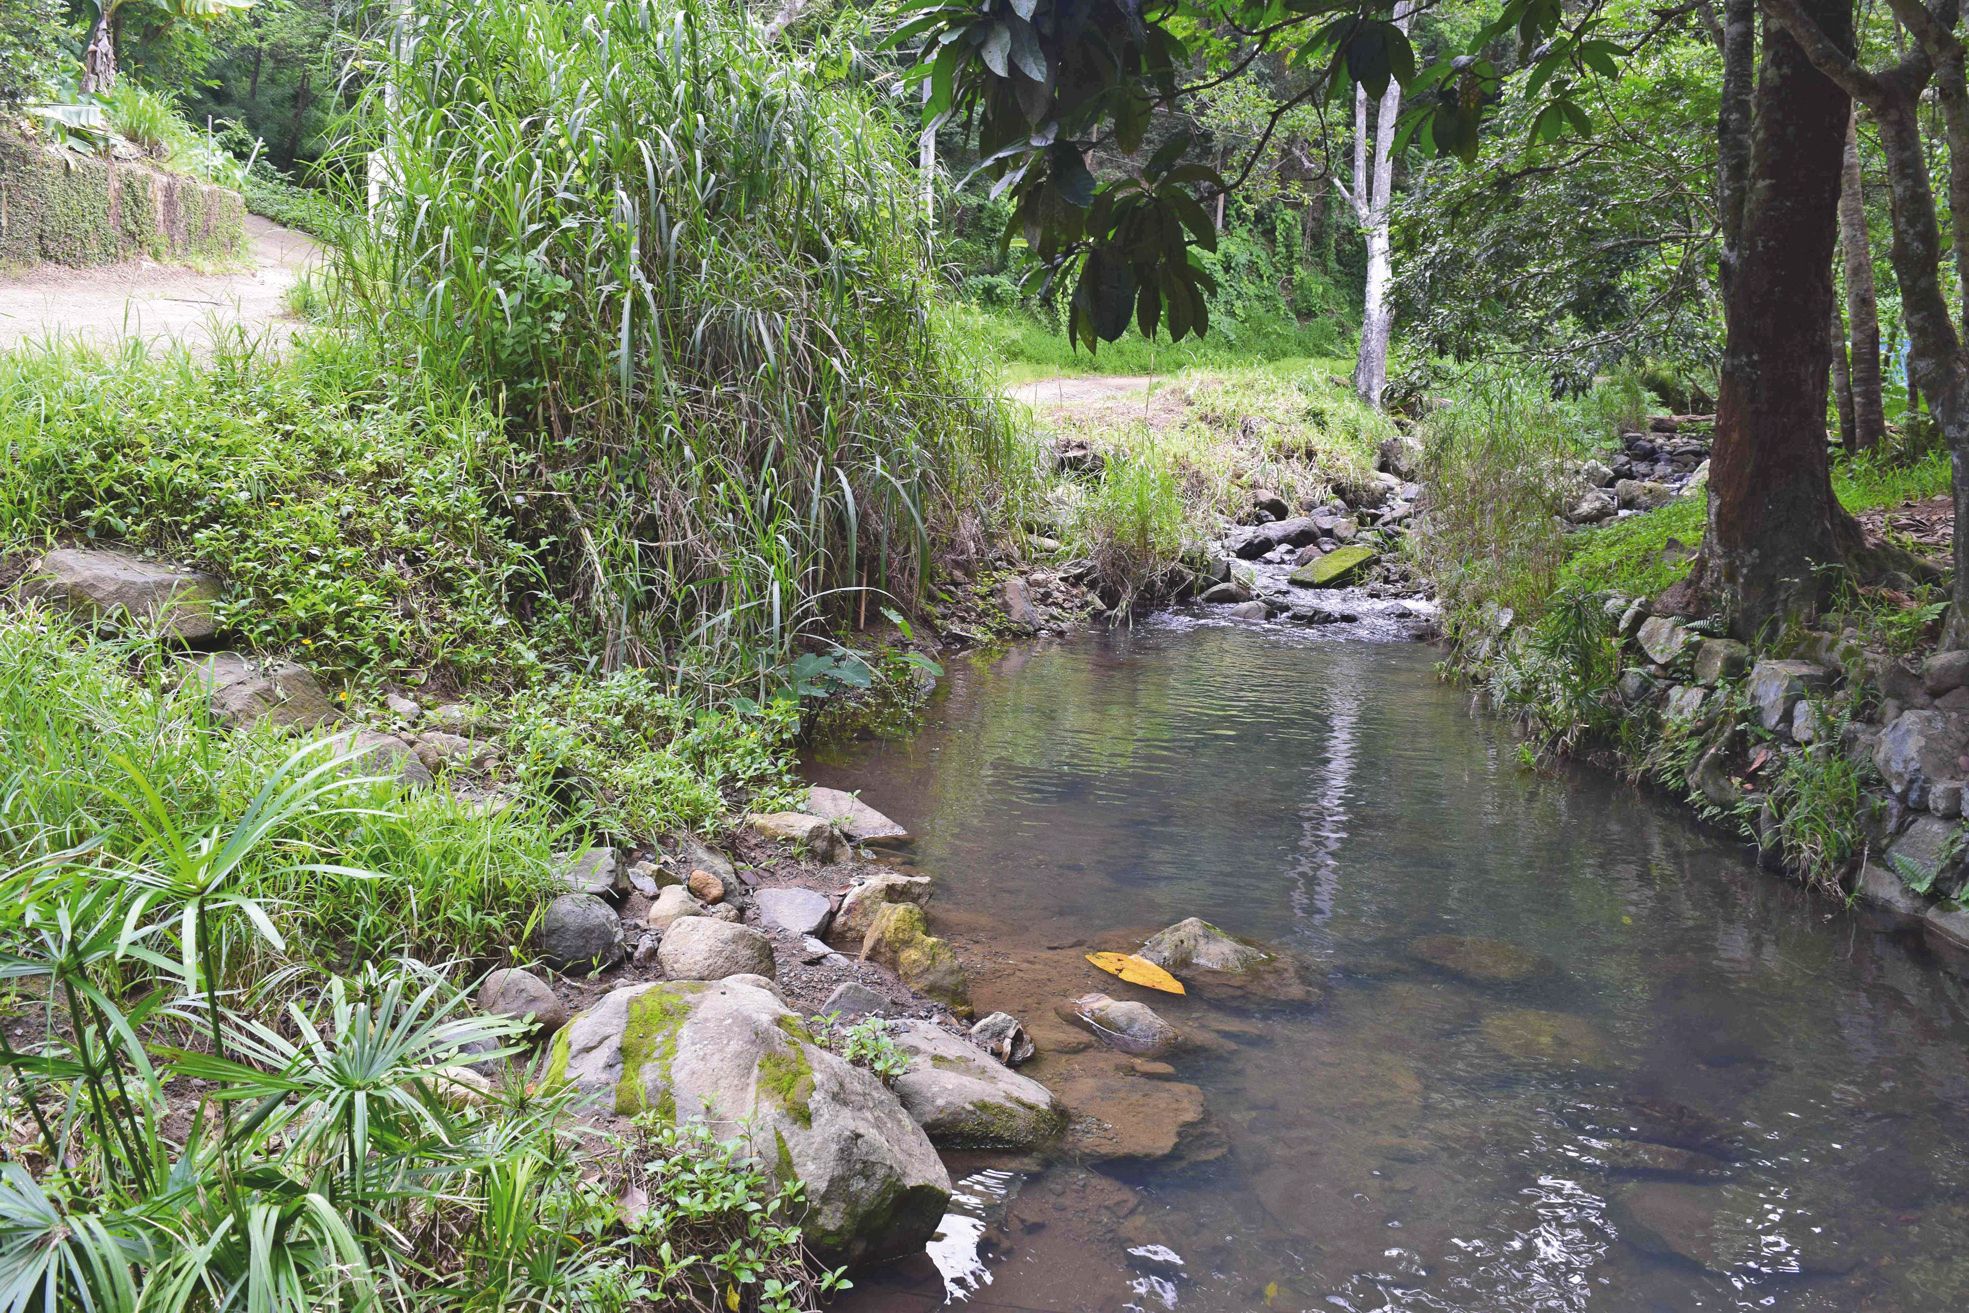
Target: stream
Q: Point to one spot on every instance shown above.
(1561, 1049)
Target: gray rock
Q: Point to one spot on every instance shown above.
(1685, 702)
(441, 750)
(798, 911)
(374, 753)
(1001, 1035)
(673, 903)
(1129, 1026)
(813, 834)
(1806, 724)
(1196, 944)
(1225, 594)
(1400, 455)
(511, 992)
(694, 856)
(596, 871)
(814, 950)
(852, 1000)
(243, 691)
(1642, 495)
(1019, 609)
(403, 708)
(1919, 748)
(1878, 886)
(580, 933)
(1718, 659)
(1945, 672)
(1250, 612)
(861, 903)
(646, 877)
(855, 818)
(1776, 686)
(644, 958)
(1635, 687)
(705, 948)
(1593, 506)
(731, 1053)
(1948, 923)
(964, 1099)
(1595, 474)
(1710, 777)
(1926, 855)
(95, 585)
(1945, 799)
(1663, 639)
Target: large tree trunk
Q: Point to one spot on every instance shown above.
(1869, 420)
(1373, 198)
(99, 54)
(1733, 122)
(1774, 525)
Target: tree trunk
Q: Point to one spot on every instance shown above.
(1733, 121)
(1373, 201)
(1869, 418)
(1842, 379)
(99, 55)
(1774, 524)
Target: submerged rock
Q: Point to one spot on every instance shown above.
(962, 1098)
(1489, 961)
(732, 1054)
(1135, 1119)
(1535, 1035)
(1129, 1026)
(704, 948)
(96, 585)
(856, 819)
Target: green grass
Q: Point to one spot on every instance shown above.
(692, 278)
(1026, 349)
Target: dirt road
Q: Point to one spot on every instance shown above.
(154, 301)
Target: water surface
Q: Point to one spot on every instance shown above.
(1694, 1087)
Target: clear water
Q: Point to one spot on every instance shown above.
(1753, 1071)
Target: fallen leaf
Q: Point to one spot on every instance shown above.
(1137, 971)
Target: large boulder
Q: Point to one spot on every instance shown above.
(860, 904)
(580, 932)
(1718, 659)
(731, 1053)
(855, 818)
(96, 585)
(1399, 455)
(242, 691)
(963, 1098)
(1664, 639)
(1921, 749)
(373, 752)
(703, 948)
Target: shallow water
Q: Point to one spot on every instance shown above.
(1705, 1089)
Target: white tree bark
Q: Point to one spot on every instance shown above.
(1371, 198)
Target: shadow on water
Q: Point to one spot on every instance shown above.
(1568, 1051)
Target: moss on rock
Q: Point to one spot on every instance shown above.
(82, 210)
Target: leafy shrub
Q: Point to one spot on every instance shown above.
(272, 196)
(29, 50)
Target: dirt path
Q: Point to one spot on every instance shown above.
(1102, 401)
(153, 301)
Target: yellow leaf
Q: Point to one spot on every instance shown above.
(1137, 971)
(731, 1298)
(1271, 1293)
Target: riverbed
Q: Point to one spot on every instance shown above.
(1557, 1047)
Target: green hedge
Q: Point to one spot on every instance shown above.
(80, 210)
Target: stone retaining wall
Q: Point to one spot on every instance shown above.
(80, 210)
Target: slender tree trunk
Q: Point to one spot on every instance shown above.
(259, 60)
(1869, 419)
(1774, 524)
(1842, 378)
(1373, 202)
(99, 54)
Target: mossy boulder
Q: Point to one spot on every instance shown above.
(1339, 567)
(899, 938)
(729, 1052)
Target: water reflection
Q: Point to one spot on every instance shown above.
(1567, 1051)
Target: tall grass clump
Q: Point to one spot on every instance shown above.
(692, 275)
